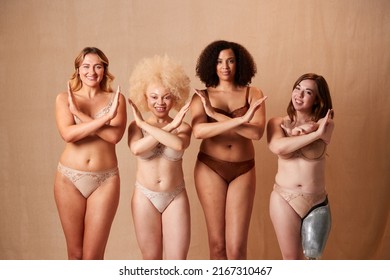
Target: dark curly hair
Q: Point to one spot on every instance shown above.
(323, 100)
(207, 61)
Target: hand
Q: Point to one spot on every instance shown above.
(324, 133)
(301, 130)
(206, 103)
(73, 108)
(180, 115)
(136, 113)
(286, 129)
(114, 106)
(253, 108)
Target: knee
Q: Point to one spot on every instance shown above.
(236, 253)
(293, 255)
(152, 254)
(76, 254)
(218, 251)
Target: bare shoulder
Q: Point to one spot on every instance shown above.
(255, 93)
(276, 120)
(62, 97)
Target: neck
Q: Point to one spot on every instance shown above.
(160, 120)
(90, 92)
(303, 117)
(226, 86)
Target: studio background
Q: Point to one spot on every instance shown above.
(346, 41)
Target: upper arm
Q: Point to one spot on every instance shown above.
(64, 117)
(274, 132)
(185, 131)
(133, 134)
(259, 117)
(197, 111)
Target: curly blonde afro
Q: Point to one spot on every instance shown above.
(162, 70)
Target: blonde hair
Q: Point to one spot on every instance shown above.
(162, 70)
(105, 84)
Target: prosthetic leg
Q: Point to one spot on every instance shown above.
(315, 231)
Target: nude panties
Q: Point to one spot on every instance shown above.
(302, 203)
(86, 182)
(227, 170)
(160, 200)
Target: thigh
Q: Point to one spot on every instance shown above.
(147, 226)
(239, 205)
(212, 191)
(71, 207)
(287, 225)
(177, 228)
(101, 209)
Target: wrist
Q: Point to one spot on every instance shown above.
(169, 127)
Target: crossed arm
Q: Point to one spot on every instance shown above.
(250, 126)
(109, 127)
(178, 141)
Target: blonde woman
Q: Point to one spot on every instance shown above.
(91, 119)
(160, 205)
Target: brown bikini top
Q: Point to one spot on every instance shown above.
(239, 112)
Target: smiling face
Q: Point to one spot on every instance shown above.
(91, 70)
(226, 65)
(304, 95)
(160, 100)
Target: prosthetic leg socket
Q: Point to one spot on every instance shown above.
(315, 231)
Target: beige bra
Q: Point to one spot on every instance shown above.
(313, 151)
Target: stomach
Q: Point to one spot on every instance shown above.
(160, 174)
(298, 173)
(93, 154)
(234, 148)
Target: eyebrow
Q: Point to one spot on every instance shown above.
(85, 63)
(299, 85)
(230, 57)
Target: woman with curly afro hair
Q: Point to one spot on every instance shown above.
(227, 115)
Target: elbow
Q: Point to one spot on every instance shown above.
(257, 134)
(68, 138)
(197, 134)
(114, 140)
(181, 147)
(279, 151)
(115, 137)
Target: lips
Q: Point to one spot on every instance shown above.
(92, 78)
(160, 109)
(298, 102)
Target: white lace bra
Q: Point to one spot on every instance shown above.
(161, 151)
(100, 113)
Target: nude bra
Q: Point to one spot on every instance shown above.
(162, 151)
(239, 112)
(100, 113)
(313, 151)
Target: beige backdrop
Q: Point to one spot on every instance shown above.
(347, 41)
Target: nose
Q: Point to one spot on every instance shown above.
(160, 101)
(91, 70)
